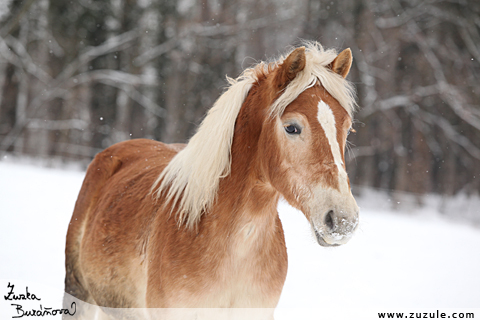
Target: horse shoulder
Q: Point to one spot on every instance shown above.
(112, 197)
(113, 161)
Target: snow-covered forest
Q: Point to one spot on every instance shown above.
(78, 76)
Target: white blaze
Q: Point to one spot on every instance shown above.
(326, 199)
(327, 121)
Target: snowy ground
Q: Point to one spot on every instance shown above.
(395, 260)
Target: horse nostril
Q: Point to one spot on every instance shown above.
(329, 220)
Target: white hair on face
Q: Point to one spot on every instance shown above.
(192, 177)
(327, 121)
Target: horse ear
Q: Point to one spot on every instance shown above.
(342, 63)
(292, 65)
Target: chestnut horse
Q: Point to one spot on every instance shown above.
(196, 225)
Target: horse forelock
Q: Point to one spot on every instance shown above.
(190, 181)
(317, 69)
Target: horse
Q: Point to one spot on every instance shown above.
(196, 225)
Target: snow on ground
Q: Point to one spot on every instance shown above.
(394, 260)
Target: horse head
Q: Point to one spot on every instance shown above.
(305, 137)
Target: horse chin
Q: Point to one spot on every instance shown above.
(322, 242)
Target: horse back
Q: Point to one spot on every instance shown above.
(115, 193)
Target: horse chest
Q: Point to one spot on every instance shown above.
(243, 268)
(254, 272)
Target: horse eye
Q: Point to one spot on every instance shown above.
(291, 129)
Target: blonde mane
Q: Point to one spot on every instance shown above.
(192, 177)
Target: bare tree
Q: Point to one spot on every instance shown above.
(77, 77)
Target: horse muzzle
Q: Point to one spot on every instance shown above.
(335, 227)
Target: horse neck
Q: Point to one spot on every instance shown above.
(246, 192)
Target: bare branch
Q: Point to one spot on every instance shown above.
(58, 124)
(111, 75)
(363, 151)
(471, 46)
(138, 97)
(155, 52)
(447, 91)
(113, 44)
(201, 30)
(21, 59)
(448, 129)
(13, 22)
(394, 22)
(23, 56)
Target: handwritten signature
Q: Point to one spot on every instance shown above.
(41, 312)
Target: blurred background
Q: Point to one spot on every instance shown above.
(78, 76)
